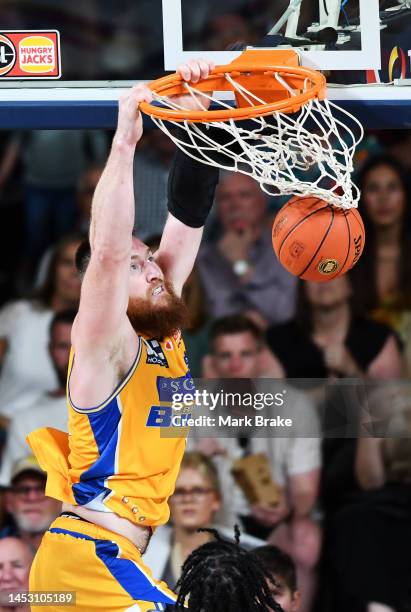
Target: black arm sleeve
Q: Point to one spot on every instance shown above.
(191, 189)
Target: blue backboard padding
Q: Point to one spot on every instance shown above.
(380, 114)
(60, 115)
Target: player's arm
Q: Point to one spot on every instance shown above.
(102, 319)
(191, 189)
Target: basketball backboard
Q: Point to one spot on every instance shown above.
(210, 28)
(107, 46)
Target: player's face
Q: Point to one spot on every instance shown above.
(153, 308)
(236, 356)
(384, 196)
(241, 203)
(68, 283)
(146, 276)
(289, 601)
(330, 294)
(15, 561)
(194, 502)
(32, 511)
(60, 343)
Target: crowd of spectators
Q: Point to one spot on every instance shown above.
(339, 533)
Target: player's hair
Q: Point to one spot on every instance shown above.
(197, 461)
(64, 316)
(83, 253)
(234, 324)
(279, 564)
(153, 242)
(220, 576)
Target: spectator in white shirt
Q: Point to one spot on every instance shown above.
(26, 367)
(49, 410)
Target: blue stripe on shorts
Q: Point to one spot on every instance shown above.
(126, 572)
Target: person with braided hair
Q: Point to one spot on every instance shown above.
(221, 576)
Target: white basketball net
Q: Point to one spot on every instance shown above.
(307, 153)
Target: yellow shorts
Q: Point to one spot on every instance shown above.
(104, 569)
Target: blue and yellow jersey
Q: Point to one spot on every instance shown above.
(117, 456)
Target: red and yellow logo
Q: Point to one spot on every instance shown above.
(29, 54)
(37, 54)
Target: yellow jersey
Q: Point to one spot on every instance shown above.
(123, 456)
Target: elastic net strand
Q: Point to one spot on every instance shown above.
(272, 151)
(194, 96)
(168, 100)
(248, 95)
(331, 104)
(286, 86)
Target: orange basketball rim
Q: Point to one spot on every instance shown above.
(284, 87)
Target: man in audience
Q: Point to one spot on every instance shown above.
(50, 409)
(15, 562)
(241, 273)
(236, 345)
(284, 586)
(31, 512)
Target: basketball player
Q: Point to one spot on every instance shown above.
(114, 472)
(220, 576)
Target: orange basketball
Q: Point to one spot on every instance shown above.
(317, 241)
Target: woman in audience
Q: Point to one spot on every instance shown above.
(196, 500)
(26, 367)
(382, 277)
(326, 338)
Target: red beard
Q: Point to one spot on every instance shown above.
(158, 320)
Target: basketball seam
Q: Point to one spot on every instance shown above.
(359, 220)
(322, 241)
(300, 223)
(349, 244)
(362, 230)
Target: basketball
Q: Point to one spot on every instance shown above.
(317, 241)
